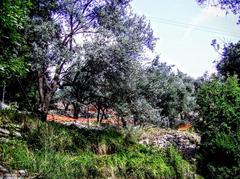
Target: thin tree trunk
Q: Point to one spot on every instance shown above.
(45, 106)
(103, 114)
(66, 107)
(3, 94)
(124, 123)
(45, 93)
(98, 114)
(135, 120)
(76, 110)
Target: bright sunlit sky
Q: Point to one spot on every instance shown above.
(186, 30)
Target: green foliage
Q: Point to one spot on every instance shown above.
(230, 60)
(13, 16)
(67, 152)
(138, 162)
(22, 91)
(219, 103)
(170, 93)
(48, 137)
(10, 116)
(16, 154)
(107, 75)
(180, 166)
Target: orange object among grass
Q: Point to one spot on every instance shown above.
(61, 118)
(184, 126)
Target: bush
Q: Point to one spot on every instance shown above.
(219, 104)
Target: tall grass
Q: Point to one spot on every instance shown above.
(51, 150)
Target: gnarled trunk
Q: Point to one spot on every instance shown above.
(46, 91)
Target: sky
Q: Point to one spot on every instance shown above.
(186, 30)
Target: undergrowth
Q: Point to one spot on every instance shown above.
(51, 150)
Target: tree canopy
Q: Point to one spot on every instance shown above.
(230, 60)
(227, 5)
(58, 30)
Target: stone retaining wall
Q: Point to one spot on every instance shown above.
(186, 142)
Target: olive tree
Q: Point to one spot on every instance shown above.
(59, 28)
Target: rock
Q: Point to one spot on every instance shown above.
(9, 131)
(16, 174)
(144, 141)
(10, 176)
(183, 141)
(3, 139)
(169, 136)
(4, 132)
(3, 170)
(22, 173)
(4, 106)
(16, 127)
(16, 134)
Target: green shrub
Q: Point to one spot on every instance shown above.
(180, 166)
(7, 116)
(50, 136)
(219, 104)
(17, 155)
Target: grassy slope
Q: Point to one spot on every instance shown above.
(52, 150)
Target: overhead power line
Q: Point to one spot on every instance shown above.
(196, 27)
